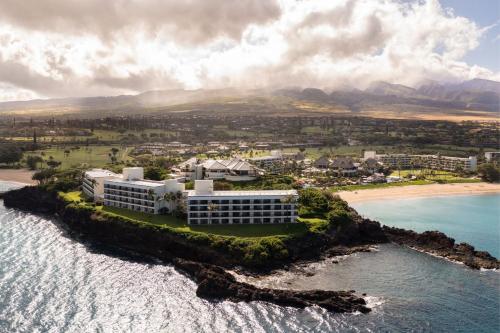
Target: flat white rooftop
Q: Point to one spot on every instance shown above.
(151, 183)
(98, 173)
(192, 193)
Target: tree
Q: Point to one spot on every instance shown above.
(43, 176)
(10, 154)
(489, 172)
(52, 163)
(153, 173)
(32, 161)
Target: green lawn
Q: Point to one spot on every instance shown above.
(90, 157)
(383, 185)
(438, 176)
(247, 230)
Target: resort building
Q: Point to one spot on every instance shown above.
(206, 206)
(231, 170)
(436, 162)
(132, 191)
(492, 156)
(93, 183)
(344, 166)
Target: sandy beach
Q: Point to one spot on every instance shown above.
(17, 175)
(416, 191)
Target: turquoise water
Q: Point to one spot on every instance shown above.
(473, 219)
(50, 282)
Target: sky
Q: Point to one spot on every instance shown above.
(76, 48)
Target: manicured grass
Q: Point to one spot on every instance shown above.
(438, 176)
(91, 156)
(383, 185)
(247, 230)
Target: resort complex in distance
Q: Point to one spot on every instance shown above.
(130, 190)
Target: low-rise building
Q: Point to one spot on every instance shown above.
(344, 166)
(231, 170)
(492, 156)
(436, 162)
(206, 206)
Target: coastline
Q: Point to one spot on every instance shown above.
(419, 191)
(22, 176)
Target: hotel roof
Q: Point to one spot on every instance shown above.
(99, 173)
(150, 183)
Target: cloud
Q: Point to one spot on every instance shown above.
(191, 21)
(65, 48)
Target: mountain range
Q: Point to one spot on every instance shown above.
(475, 95)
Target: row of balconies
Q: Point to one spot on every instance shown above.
(127, 195)
(238, 208)
(235, 201)
(241, 221)
(129, 206)
(137, 202)
(243, 214)
(125, 188)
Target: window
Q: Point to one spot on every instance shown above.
(236, 221)
(258, 220)
(246, 221)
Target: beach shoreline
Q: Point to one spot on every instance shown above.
(419, 191)
(22, 176)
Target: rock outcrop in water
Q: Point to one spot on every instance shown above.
(439, 244)
(215, 283)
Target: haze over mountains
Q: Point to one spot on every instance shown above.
(476, 94)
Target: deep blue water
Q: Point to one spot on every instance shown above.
(50, 282)
(474, 219)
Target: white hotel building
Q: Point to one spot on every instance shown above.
(131, 191)
(206, 206)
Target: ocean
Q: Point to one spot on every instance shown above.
(474, 219)
(50, 282)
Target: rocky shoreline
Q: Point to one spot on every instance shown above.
(438, 244)
(215, 283)
(207, 265)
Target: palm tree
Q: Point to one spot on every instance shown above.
(151, 194)
(169, 197)
(211, 207)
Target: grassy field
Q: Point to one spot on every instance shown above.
(438, 176)
(383, 185)
(92, 156)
